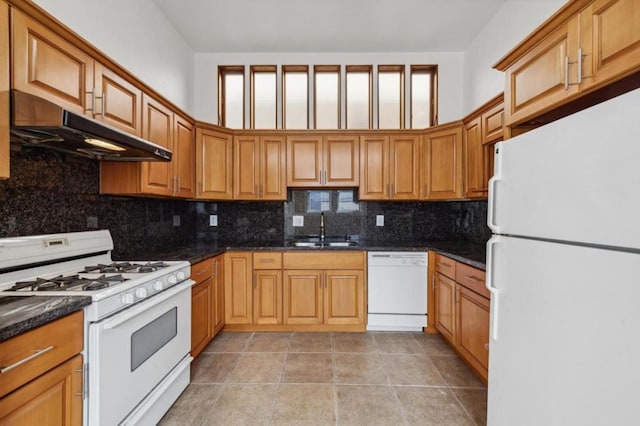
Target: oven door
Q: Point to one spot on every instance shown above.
(132, 351)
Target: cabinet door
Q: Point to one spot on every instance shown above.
(441, 167)
(445, 321)
(118, 102)
(374, 168)
(610, 41)
(273, 168)
(238, 288)
(55, 398)
(304, 161)
(303, 297)
(404, 160)
(214, 165)
(473, 164)
(543, 78)
(157, 127)
(267, 297)
(472, 331)
(201, 316)
(493, 124)
(46, 65)
(344, 297)
(246, 167)
(218, 277)
(341, 161)
(4, 90)
(184, 164)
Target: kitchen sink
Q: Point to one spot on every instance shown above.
(321, 244)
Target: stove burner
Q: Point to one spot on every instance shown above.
(125, 267)
(71, 282)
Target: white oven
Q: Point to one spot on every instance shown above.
(131, 353)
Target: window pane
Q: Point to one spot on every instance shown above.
(358, 100)
(296, 100)
(389, 91)
(420, 100)
(346, 202)
(327, 100)
(264, 100)
(233, 100)
(319, 201)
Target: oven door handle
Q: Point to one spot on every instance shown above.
(133, 312)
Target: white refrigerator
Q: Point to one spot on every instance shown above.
(563, 269)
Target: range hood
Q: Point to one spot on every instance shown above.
(39, 122)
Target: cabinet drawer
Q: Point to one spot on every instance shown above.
(267, 260)
(446, 266)
(30, 354)
(324, 260)
(202, 270)
(471, 278)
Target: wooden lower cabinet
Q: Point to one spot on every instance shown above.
(238, 288)
(462, 311)
(202, 299)
(55, 398)
(303, 297)
(218, 288)
(344, 297)
(267, 297)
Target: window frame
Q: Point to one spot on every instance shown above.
(358, 69)
(224, 70)
(253, 70)
(297, 69)
(382, 69)
(433, 71)
(319, 69)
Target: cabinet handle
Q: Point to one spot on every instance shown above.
(93, 101)
(84, 370)
(566, 72)
(579, 65)
(425, 189)
(387, 190)
(215, 268)
(177, 185)
(261, 190)
(486, 346)
(441, 264)
(37, 353)
(433, 282)
(472, 278)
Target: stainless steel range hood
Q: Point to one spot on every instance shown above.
(36, 121)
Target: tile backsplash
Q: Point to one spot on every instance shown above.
(50, 192)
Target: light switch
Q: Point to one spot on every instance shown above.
(298, 221)
(176, 220)
(213, 220)
(379, 220)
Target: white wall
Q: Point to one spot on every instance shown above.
(206, 68)
(511, 24)
(137, 36)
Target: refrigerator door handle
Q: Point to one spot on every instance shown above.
(489, 283)
(493, 190)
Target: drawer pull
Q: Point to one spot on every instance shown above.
(442, 264)
(27, 359)
(267, 260)
(472, 278)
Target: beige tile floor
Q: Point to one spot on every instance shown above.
(379, 378)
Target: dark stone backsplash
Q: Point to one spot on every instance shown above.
(50, 192)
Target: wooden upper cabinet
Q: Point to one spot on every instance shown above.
(389, 167)
(214, 164)
(259, 168)
(474, 183)
(543, 78)
(157, 127)
(304, 161)
(404, 160)
(341, 160)
(117, 101)
(492, 123)
(374, 167)
(441, 164)
(4, 90)
(323, 161)
(46, 65)
(610, 41)
(184, 157)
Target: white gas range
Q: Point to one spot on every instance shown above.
(137, 328)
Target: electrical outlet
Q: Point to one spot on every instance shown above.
(213, 220)
(379, 220)
(176, 220)
(298, 221)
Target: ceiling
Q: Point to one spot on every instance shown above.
(329, 25)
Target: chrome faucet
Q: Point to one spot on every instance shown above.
(322, 226)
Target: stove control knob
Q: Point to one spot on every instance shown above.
(127, 299)
(172, 279)
(157, 286)
(181, 276)
(141, 293)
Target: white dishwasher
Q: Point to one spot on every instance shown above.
(397, 284)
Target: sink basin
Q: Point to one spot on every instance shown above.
(321, 244)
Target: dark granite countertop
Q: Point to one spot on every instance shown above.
(470, 253)
(23, 313)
